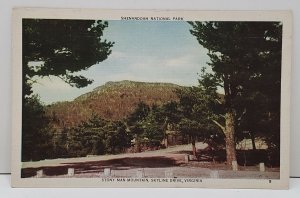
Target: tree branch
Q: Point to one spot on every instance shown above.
(244, 112)
(219, 125)
(242, 115)
(63, 79)
(219, 101)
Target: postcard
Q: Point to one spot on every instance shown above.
(151, 98)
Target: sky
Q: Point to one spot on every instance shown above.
(148, 51)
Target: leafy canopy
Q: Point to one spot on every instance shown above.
(62, 48)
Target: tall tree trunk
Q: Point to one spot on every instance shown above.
(137, 145)
(253, 141)
(229, 137)
(166, 141)
(194, 146)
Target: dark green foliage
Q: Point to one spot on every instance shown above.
(117, 137)
(140, 113)
(55, 47)
(245, 58)
(153, 128)
(146, 125)
(62, 47)
(196, 107)
(37, 134)
(97, 137)
(60, 143)
(94, 137)
(171, 112)
(191, 127)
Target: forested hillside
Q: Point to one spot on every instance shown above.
(112, 101)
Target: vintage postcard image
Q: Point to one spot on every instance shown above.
(131, 98)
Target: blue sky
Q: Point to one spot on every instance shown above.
(149, 51)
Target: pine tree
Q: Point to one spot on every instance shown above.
(62, 48)
(245, 59)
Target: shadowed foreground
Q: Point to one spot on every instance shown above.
(169, 162)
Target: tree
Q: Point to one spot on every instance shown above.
(134, 122)
(89, 137)
(244, 57)
(171, 116)
(117, 138)
(145, 124)
(62, 48)
(140, 113)
(195, 107)
(154, 127)
(54, 47)
(97, 137)
(36, 141)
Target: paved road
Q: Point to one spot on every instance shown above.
(169, 152)
(165, 163)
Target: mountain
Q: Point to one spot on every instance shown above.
(112, 101)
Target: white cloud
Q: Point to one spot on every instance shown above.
(51, 83)
(52, 89)
(179, 61)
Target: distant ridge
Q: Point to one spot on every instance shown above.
(116, 85)
(112, 101)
